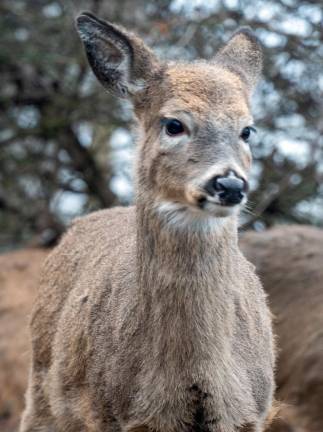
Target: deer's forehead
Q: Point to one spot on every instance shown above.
(201, 89)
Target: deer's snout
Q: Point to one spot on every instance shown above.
(229, 189)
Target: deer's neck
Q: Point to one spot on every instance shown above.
(181, 269)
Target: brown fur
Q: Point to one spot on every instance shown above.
(149, 318)
(283, 256)
(290, 263)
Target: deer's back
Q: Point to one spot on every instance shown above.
(289, 260)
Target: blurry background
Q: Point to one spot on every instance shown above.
(66, 146)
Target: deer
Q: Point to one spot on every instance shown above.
(149, 318)
(289, 262)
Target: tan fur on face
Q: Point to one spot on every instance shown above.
(202, 87)
(196, 94)
(149, 318)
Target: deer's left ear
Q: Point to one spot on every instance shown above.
(120, 60)
(242, 54)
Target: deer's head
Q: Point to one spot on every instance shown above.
(194, 118)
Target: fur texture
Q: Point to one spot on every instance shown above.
(150, 318)
(290, 262)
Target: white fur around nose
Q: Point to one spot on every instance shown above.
(185, 217)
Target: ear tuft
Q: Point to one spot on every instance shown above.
(120, 60)
(242, 54)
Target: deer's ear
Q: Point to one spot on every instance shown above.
(120, 60)
(242, 54)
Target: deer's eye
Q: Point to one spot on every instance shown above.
(173, 127)
(245, 134)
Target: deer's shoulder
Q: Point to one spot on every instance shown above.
(92, 242)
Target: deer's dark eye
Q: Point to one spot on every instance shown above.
(173, 127)
(245, 134)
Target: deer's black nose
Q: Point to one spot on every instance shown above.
(230, 189)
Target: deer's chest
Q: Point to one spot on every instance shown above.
(213, 402)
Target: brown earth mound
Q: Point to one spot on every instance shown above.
(18, 281)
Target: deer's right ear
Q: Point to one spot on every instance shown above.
(242, 54)
(120, 60)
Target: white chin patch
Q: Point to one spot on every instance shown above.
(217, 210)
(178, 215)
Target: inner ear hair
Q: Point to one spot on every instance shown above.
(242, 54)
(120, 60)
